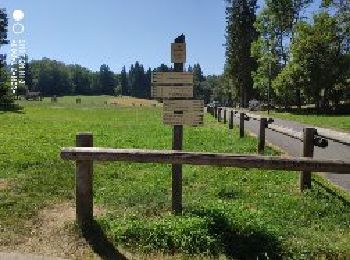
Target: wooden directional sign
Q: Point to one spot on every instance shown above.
(178, 52)
(183, 112)
(186, 106)
(164, 78)
(190, 119)
(171, 91)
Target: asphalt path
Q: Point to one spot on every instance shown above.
(294, 147)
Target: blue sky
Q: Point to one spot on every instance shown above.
(119, 32)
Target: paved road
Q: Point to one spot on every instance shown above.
(295, 147)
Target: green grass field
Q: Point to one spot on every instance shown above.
(340, 122)
(232, 213)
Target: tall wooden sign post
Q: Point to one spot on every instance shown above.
(179, 109)
(177, 134)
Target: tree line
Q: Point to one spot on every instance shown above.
(278, 54)
(52, 77)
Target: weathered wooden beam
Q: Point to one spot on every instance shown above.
(83, 179)
(194, 158)
(241, 125)
(308, 151)
(336, 136)
(261, 140)
(286, 131)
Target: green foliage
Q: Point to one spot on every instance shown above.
(240, 34)
(125, 91)
(318, 64)
(6, 97)
(139, 82)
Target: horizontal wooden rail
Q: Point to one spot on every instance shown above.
(194, 158)
(286, 131)
(335, 136)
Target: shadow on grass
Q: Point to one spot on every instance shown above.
(335, 194)
(238, 243)
(99, 242)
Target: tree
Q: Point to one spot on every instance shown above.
(6, 98)
(138, 81)
(107, 80)
(125, 90)
(318, 66)
(198, 78)
(163, 68)
(240, 34)
(81, 80)
(275, 25)
(342, 15)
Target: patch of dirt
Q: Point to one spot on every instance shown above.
(4, 184)
(52, 234)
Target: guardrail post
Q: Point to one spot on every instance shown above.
(241, 125)
(216, 112)
(225, 118)
(230, 121)
(219, 114)
(308, 151)
(83, 184)
(261, 143)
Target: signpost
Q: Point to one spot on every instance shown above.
(178, 52)
(176, 88)
(172, 78)
(169, 91)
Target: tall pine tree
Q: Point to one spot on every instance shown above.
(240, 34)
(124, 83)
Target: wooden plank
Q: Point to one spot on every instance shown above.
(336, 136)
(189, 119)
(198, 158)
(172, 78)
(178, 52)
(186, 106)
(286, 131)
(172, 91)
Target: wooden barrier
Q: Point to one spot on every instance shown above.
(219, 114)
(216, 112)
(84, 174)
(308, 151)
(261, 140)
(241, 124)
(225, 116)
(84, 155)
(230, 121)
(336, 136)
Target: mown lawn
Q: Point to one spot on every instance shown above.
(233, 213)
(340, 122)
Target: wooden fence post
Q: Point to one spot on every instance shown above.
(230, 121)
(261, 143)
(308, 151)
(83, 184)
(241, 125)
(219, 114)
(216, 112)
(225, 118)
